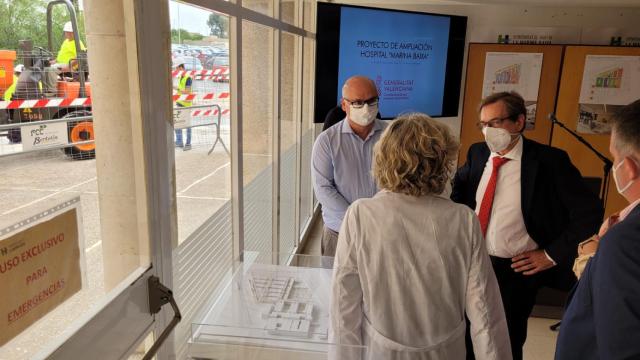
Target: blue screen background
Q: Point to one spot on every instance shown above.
(405, 84)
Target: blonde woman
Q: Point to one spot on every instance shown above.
(410, 262)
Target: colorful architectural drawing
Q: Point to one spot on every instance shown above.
(508, 75)
(610, 79)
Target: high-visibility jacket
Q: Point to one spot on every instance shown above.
(68, 51)
(10, 90)
(183, 84)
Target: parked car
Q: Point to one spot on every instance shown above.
(220, 63)
(190, 63)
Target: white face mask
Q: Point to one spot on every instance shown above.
(615, 178)
(363, 116)
(497, 139)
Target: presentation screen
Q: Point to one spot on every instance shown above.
(415, 59)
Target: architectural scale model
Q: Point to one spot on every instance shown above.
(291, 308)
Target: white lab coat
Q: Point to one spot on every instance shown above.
(406, 270)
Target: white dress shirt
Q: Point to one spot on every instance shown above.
(406, 270)
(626, 211)
(506, 234)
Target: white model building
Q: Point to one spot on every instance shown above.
(291, 310)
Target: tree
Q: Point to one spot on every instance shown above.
(184, 35)
(27, 20)
(218, 25)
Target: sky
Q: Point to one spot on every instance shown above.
(188, 17)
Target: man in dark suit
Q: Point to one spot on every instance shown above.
(602, 320)
(533, 209)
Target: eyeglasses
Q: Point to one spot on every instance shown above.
(360, 103)
(491, 123)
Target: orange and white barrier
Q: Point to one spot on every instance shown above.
(207, 96)
(86, 102)
(217, 74)
(212, 112)
(45, 103)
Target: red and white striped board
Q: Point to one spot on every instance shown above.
(210, 112)
(85, 102)
(45, 103)
(207, 96)
(216, 74)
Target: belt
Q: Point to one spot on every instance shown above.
(389, 344)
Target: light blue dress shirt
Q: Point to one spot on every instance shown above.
(341, 169)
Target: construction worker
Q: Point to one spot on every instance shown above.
(16, 73)
(184, 88)
(67, 53)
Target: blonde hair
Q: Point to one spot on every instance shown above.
(414, 156)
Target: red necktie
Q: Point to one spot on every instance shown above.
(487, 200)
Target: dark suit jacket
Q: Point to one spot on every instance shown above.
(559, 210)
(602, 320)
(333, 117)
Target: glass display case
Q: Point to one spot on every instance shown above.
(268, 310)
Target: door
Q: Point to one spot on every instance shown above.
(244, 183)
(122, 199)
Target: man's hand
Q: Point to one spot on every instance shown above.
(589, 246)
(611, 220)
(531, 262)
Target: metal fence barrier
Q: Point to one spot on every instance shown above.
(46, 135)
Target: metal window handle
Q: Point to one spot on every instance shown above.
(159, 295)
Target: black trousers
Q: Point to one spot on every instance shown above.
(518, 294)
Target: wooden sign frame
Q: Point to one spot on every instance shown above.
(549, 78)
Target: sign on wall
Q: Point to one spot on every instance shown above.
(610, 36)
(608, 83)
(519, 72)
(40, 267)
(526, 35)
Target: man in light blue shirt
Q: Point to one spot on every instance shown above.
(342, 155)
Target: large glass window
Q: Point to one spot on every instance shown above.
(257, 135)
(274, 145)
(306, 134)
(202, 142)
(290, 106)
(309, 15)
(69, 219)
(265, 7)
(108, 192)
(289, 10)
(200, 42)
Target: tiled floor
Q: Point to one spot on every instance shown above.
(541, 341)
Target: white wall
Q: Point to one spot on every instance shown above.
(586, 22)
